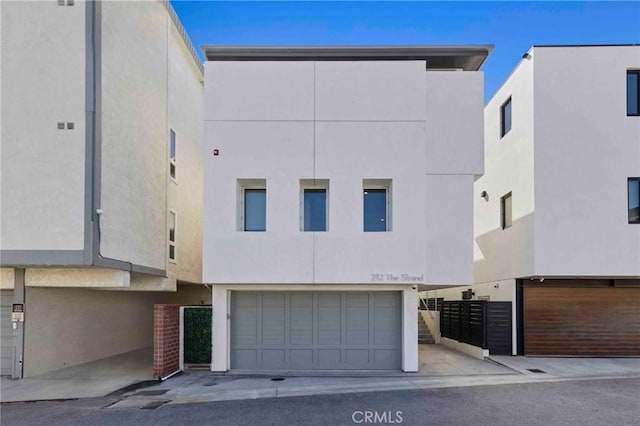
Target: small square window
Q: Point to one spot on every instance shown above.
(70, 126)
(633, 194)
(60, 125)
(633, 92)
(505, 118)
(506, 211)
(314, 205)
(376, 203)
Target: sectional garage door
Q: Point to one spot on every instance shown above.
(316, 330)
(6, 338)
(581, 320)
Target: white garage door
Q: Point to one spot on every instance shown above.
(316, 330)
(6, 338)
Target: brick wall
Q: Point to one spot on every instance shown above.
(166, 339)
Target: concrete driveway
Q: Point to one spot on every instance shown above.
(92, 379)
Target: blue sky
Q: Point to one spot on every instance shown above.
(512, 27)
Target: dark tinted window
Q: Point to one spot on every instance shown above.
(505, 118)
(255, 209)
(375, 210)
(506, 215)
(633, 92)
(634, 200)
(315, 209)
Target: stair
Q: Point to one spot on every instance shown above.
(424, 335)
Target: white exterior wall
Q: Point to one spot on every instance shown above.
(509, 167)
(134, 132)
(42, 168)
(345, 122)
(585, 149)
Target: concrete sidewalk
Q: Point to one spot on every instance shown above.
(92, 379)
(439, 367)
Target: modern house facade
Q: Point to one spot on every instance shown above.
(556, 212)
(338, 181)
(101, 178)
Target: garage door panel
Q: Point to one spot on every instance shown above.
(357, 357)
(300, 358)
(273, 319)
(300, 322)
(329, 313)
(245, 319)
(329, 358)
(357, 319)
(315, 330)
(581, 320)
(6, 333)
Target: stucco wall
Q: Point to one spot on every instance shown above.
(65, 327)
(42, 168)
(185, 193)
(345, 122)
(149, 87)
(586, 147)
(501, 254)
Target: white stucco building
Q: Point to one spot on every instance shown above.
(337, 181)
(101, 177)
(556, 213)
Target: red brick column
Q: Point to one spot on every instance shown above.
(166, 339)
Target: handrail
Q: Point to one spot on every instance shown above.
(426, 304)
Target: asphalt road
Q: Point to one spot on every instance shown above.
(594, 402)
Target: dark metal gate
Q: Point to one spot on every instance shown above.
(478, 323)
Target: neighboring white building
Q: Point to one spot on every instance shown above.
(101, 184)
(558, 232)
(315, 146)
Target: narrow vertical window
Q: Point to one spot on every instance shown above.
(173, 222)
(255, 210)
(376, 201)
(315, 210)
(505, 118)
(633, 92)
(633, 193)
(314, 205)
(252, 205)
(505, 211)
(172, 154)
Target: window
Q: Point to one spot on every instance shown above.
(172, 155)
(255, 210)
(252, 205)
(173, 222)
(376, 205)
(505, 118)
(633, 92)
(314, 205)
(505, 211)
(634, 199)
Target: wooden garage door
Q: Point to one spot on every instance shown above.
(316, 330)
(595, 321)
